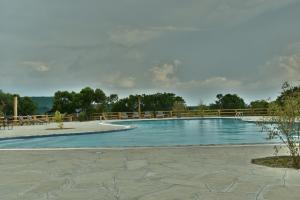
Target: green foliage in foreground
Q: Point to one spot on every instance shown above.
(287, 92)
(284, 123)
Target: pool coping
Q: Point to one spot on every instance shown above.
(65, 134)
(113, 123)
(144, 147)
(40, 131)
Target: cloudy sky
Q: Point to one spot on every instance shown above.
(195, 48)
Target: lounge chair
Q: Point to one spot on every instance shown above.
(34, 121)
(5, 122)
(22, 121)
(160, 114)
(135, 115)
(147, 114)
(124, 116)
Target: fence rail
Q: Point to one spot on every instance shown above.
(155, 114)
(183, 113)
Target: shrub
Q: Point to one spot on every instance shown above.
(82, 116)
(59, 118)
(283, 123)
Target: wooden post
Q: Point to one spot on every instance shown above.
(15, 109)
(139, 106)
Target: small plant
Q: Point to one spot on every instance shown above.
(58, 118)
(82, 116)
(283, 123)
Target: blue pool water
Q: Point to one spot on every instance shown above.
(156, 133)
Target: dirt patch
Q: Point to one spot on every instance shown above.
(276, 162)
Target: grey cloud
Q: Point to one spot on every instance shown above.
(196, 48)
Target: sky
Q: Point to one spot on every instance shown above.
(194, 48)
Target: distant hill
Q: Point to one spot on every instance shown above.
(44, 104)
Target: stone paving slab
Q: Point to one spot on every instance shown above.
(187, 173)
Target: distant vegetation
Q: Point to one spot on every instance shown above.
(149, 102)
(228, 101)
(89, 101)
(25, 104)
(44, 104)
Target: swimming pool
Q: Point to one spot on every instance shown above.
(155, 133)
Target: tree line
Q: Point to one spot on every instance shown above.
(89, 101)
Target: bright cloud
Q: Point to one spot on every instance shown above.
(116, 80)
(37, 66)
(166, 76)
(281, 68)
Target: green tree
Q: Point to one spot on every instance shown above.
(149, 102)
(228, 101)
(88, 100)
(64, 102)
(26, 106)
(259, 104)
(87, 97)
(287, 91)
(99, 96)
(113, 98)
(100, 101)
(6, 102)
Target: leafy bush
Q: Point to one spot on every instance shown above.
(284, 124)
(59, 118)
(82, 116)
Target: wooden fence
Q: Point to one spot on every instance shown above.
(184, 113)
(157, 114)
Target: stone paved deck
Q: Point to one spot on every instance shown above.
(188, 173)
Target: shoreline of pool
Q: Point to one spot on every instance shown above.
(90, 127)
(70, 128)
